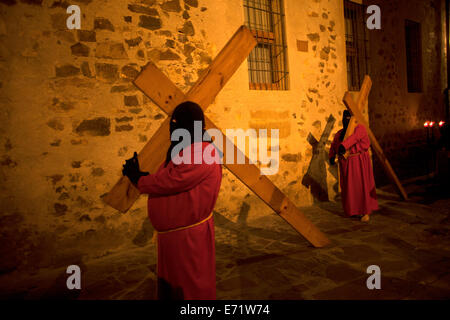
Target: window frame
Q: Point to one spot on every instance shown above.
(267, 71)
(357, 50)
(414, 72)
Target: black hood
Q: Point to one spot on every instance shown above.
(183, 117)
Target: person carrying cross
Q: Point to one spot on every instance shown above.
(181, 199)
(357, 183)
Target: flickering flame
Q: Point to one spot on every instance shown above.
(426, 124)
(441, 123)
(431, 123)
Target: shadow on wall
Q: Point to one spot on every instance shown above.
(333, 170)
(316, 177)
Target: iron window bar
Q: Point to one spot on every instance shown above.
(356, 40)
(267, 63)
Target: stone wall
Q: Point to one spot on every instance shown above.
(70, 115)
(396, 115)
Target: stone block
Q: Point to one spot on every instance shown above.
(129, 72)
(103, 24)
(188, 29)
(302, 46)
(149, 22)
(169, 55)
(94, 127)
(66, 70)
(111, 50)
(191, 3)
(133, 42)
(106, 71)
(142, 9)
(171, 6)
(131, 101)
(80, 50)
(87, 35)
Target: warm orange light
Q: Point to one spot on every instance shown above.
(426, 124)
(441, 123)
(431, 123)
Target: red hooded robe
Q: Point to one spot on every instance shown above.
(356, 175)
(179, 196)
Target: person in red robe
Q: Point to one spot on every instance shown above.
(357, 183)
(181, 199)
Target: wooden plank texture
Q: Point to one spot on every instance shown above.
(362, 97)
(352, 106)
(222, 68)
(160, 89)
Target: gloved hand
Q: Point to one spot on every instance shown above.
(132, 171)
(341, 150)
(333, 160)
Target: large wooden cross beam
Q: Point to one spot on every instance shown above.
(167, 96)
(357, 117)
(360, 102)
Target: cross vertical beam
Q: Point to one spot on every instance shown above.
(362, 98)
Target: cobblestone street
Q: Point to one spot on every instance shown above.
(266, 259)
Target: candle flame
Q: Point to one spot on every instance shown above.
(441, 123)
(426, 124)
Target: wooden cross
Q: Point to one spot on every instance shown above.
(362, 98)
(357, 117)
(152, 82)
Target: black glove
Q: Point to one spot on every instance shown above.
(341, 150)
(132, 171)
(333, 160)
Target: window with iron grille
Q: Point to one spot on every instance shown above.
(267, 63)
(356, 41)
(413, 56)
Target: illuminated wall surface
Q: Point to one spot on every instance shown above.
(70, 115)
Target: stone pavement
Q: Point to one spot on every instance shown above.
(266, 259)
